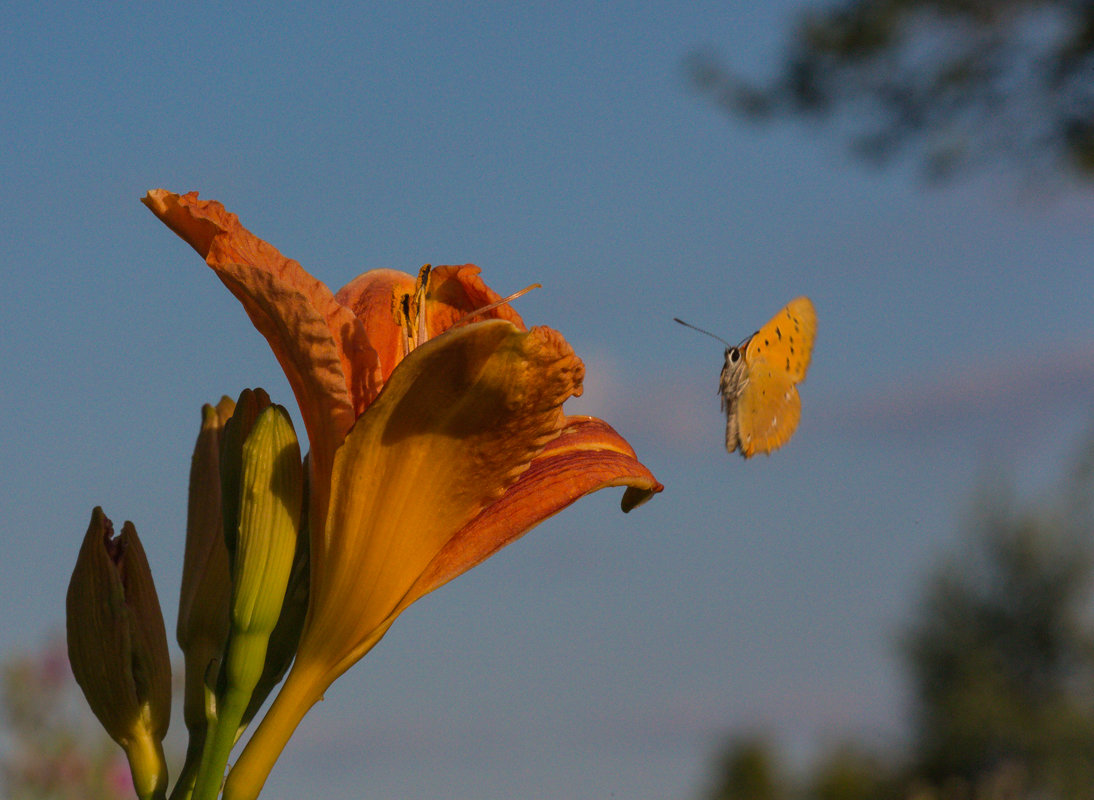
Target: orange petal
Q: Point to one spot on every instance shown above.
(452, 292)
(321, 346)
(458, 422)
(372, 297)
(589, 455)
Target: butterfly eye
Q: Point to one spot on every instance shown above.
(733, 355)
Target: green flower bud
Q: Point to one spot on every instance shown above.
(286, 634)
(271, 492)
(262, 488)
(117, 645)
(249, 405)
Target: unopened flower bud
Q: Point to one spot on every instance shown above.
(271, 491)
(117, 646)
(202, 629)
(264, 484)
(286, 634)
(250, 404)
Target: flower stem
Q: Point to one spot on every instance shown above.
(299, 693)
(218, 746)
(146, 763)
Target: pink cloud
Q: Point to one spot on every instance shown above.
(1016, 391)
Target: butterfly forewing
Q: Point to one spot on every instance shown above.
(786, 341)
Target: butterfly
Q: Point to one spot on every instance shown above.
(759, 379)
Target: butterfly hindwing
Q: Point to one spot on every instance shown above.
(768, 410)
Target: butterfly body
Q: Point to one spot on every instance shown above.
(758, 382)
(731, 383)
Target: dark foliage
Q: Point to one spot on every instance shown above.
(958, 83)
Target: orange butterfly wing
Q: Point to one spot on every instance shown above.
(787, 339)
(767, 408)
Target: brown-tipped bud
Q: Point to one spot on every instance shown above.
(117, 645)
(202, 629)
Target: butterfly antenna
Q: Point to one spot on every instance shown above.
(708, 333)
(472, 314)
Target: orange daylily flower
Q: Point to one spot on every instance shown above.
(436, 438)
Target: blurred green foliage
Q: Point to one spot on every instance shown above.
(999, 652)
(851, 773)
(960, 83)
(1001, 658)
(749, 770)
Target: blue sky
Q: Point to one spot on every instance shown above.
(603, 655)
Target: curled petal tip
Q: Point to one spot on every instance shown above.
(637, 495)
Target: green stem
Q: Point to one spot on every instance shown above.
(218, 746)
(298, 694)
(246, 654)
